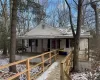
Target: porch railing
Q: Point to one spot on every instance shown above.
(65, 67)
(45, 57)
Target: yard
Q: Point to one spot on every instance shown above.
(4, 73)
(86, 73)
(86, 69)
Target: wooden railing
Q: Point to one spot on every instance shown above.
(45, 57)
(66, 66)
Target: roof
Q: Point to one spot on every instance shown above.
(44, 30)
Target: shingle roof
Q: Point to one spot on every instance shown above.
(44, 30)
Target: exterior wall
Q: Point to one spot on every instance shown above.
(39, 48)
(62, 43)
(83, 45)
(28, 49)
(26, 43)
(45, 42)
(83, 48)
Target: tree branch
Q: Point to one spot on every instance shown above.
(70, 16)
(1, 3)
(79, 21)
(91, 2)
(75, 2)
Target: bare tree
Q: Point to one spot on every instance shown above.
(5, 25)
(13, 35)
(94, 6)
(78, 31)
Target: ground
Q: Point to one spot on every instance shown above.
(85, 72)
(54, 73)
(4, 73)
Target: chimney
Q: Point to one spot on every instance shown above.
(43, 24)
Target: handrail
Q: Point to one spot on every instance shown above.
(28, 66)
(65, 67)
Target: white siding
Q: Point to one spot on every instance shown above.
(28, 49)
(62, 43)
(83, 45)
(45, 42)
(25, 42)
(39, 48)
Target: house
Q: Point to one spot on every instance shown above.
(45, 38)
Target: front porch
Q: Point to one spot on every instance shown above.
(44, 45)
(44, 37)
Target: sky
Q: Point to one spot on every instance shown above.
(50, 6)
(54, 4)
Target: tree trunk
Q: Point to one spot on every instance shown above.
(13, 35)
(4, 49)
(4, 38)
(77, 36)
(5, 26)
(76, 53)
(97, 22)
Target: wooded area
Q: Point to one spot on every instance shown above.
(20, 16)
(52, 56)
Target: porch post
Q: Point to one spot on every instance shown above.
(88, 50)
(22, 45)
(69, 43)
(42, 44)
(31, 45)
(36, 42)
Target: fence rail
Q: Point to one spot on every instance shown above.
(44, 59)
(65, 67)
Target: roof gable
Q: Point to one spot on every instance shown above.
(43, 29)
